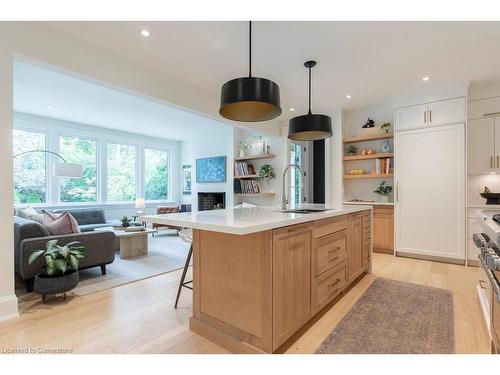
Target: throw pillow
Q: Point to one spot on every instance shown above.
(60, 224)
(30, 213)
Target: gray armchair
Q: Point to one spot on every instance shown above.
(30, 236)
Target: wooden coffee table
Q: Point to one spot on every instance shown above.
(130, 244)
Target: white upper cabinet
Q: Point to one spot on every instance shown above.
(443, 112)
(481, 145)
(411, 117)
(446, 112)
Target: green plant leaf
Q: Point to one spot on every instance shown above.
(35, 255)
(50, 244)
(64, 251)
(61, 265)
(74, 262)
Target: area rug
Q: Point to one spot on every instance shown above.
(166, 252)
(394, 317)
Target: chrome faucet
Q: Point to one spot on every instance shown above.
(284, 200)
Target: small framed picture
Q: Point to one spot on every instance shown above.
(186, 179)
(255, 147)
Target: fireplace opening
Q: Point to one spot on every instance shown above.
(211, 201)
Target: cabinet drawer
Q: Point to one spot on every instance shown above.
(329, 251)
(328, 226)
(329, 285)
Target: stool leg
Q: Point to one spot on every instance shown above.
(183, 277)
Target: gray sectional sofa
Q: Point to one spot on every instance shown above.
(30, 235)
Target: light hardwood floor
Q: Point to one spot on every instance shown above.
(139, 317)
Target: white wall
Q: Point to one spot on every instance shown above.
(352, 123)
(333, 162)
(208, 144)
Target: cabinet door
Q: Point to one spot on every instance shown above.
(355, 246)
(497, 144)
(383, 229)
(292, 300)
(481, 145)
(411, 117)
(451, 111)
(430, 209)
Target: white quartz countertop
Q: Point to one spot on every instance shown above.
(249, 220)
(367, 203)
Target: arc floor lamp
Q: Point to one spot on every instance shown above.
(60, 169)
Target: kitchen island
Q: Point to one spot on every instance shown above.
(260, 274)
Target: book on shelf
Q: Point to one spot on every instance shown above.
(383, 166)
(247, 187)
(243, 169)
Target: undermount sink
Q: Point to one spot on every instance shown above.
(304, 210)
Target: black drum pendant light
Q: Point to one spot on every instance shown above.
(310, 127)
(250, 99)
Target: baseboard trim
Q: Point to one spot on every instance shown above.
(431, 257)
(8, 307)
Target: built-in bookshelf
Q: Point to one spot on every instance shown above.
(247, 181)
(383, 165)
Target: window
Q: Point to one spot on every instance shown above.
(79, 151)
(296, 157)
(29, 169)
(156, 174)
(121, 172)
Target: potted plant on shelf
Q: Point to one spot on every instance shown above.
(351, 150)
(60, 274)
(267, 173)
(384, 190)
(386, 127)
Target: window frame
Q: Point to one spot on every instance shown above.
(136, 171)
(48, 165)
(56, 180)
(53, 129)
(169, 173)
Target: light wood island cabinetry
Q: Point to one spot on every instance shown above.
(383, 229)
(253, 292)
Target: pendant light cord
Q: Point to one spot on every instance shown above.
(309, 90)
(250, 49)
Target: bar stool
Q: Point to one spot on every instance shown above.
(186, 235)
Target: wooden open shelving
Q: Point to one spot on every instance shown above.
(371, 137)
(383, 155)
(254, 157)
(264, 194)
(367, 175)
(248, 176)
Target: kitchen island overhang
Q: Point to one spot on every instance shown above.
(259, 275)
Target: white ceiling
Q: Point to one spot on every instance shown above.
(48, 93)
(371, 61)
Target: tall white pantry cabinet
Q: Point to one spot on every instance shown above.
(430, 180)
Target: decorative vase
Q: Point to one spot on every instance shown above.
(48, 285)
(385, 199)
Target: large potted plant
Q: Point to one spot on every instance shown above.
(61, 271)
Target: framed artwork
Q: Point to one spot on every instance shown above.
(255, 147)
(186, 179)
(211, 169)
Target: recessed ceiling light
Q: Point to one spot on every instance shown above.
(426, 78)
(145, 33)
(292, 109)
(348, 97)
(50, 107)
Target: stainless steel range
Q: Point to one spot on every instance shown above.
(489, 272)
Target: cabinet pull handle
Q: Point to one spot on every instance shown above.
(491, 162)
(334, 283)
(498, 161)
(491, 114)
(334, 250)
(425, 117)
(397, 191)
(430, 116)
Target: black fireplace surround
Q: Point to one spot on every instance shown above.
(211, 201)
